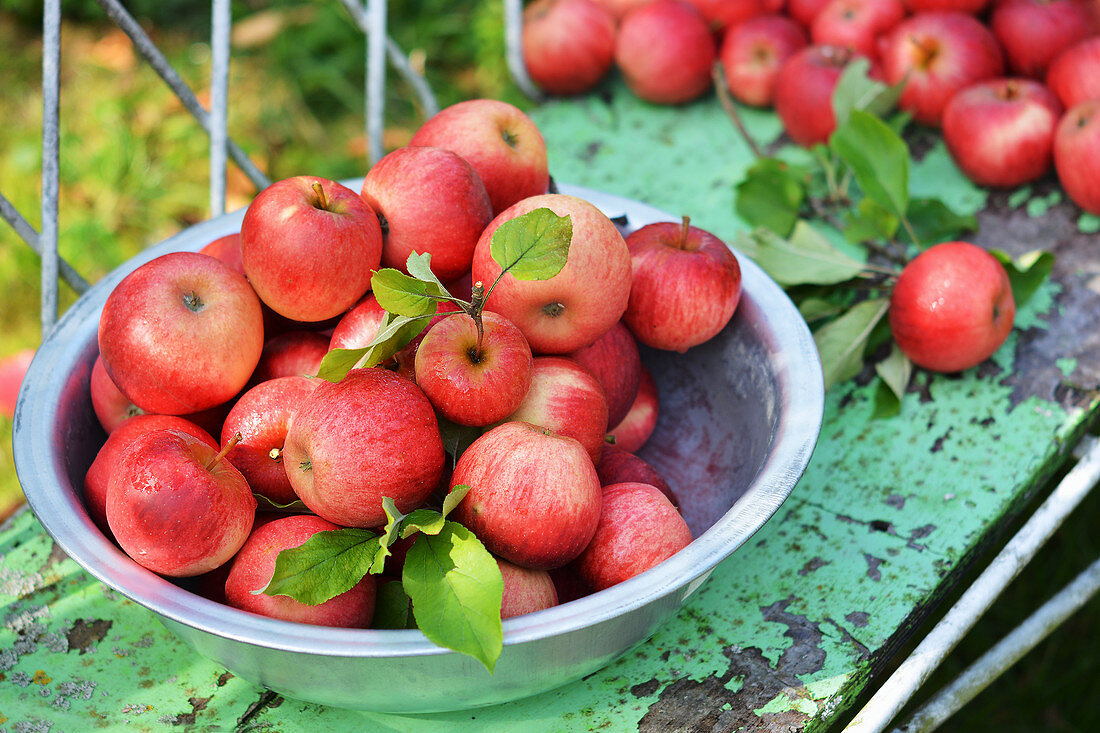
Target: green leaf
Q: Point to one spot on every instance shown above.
(390, 533)
(404, 295)
(454, 497)
(807, 257)
(933, 221)
(855, 90)
(533, 246)
(771, 195)
(894, 371)
(869, 221)
(816, 309)
(324, 566)
(1026, 272)
(420, 267)
(392, 609)
(878, 158)
(841, 342)
(456, 438)
(394, 334)
(427, 521)
(456, 588)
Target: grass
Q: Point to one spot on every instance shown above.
(133, 171)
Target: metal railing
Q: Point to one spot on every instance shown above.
(370, 17)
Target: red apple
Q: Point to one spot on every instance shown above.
(753, 52)
(1001, 132)
(1033, 32)
(534, 495)
(359, 325)
(665, 51)
(177, 507)
(254, 566)
(951, 307)
(261, 417)
(579, 304)
(723, 15)
(1077, 154)
(430, 201)
(1074, 74)
(474, 379)
(936, 55)
(181, 333)
(686, 285)
(526, 590)
(12, 369)
(568, 399)
(856, 24)
(227, 249)
(634, 430)
(499, 140)
(617, 466)
(619, 8)
(99, 473)
(615, 362)
(971, 7)
(568, 45)
(294, 353)
(639, 528)
(355, 442)
(803, 93)
(309, 247)
(804, 11)
(111, 407)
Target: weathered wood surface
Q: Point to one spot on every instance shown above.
(787, 631)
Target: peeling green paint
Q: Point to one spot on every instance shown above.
(1038, 206)
(1067, 366)
(1088, 223)
(1019, 197)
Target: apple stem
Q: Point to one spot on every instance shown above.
(718, 74)
(275, 454)
(685, 226)
(477, 304)
(319, 191)
(221, 454)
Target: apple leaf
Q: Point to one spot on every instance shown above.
(420, 266)
(933, 221)
(856, 90)
(869, 221)
(456, 589)
(392, 609)
(404, 295)
(394, 334)
(817, 309)
(324, 566)
(533, 246)
(456, 438)
(771, 195)
(454, 497)
(807, 257)
(894, 371)
(1026, 272)
(841, 342)
(878, 158)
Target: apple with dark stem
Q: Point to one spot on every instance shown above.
(952, 307)
(856, 24)
(176, 506)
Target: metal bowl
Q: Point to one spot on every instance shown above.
(740, 416)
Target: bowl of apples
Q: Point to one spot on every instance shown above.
(474, 432)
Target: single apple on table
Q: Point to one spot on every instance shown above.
(803, 93)
(936, 55)
(430, 201)
(534, 498)
(352, 443)
(176, 506)
(753, 52)
(617, 365)
(254, 566)
(665, 51)
(1077, 154)
(261, 417)
(638, 528)
(638, 425)
(1074, 74)
(952, 307)
(526, 590)
(499, 140)
(309, 246)
(1001, 132)
(1033, 32)
(567, 398)
(686, 285)
(181, 333)
(474, 375)
(580, 303)
(568, 45)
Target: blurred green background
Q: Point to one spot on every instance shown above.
(134, 170)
